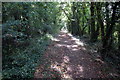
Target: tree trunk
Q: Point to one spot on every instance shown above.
(109, 33)
(119, 38)
(92, 22)
(74, 21)
(107, 15)
(97, 21)
(100, 21)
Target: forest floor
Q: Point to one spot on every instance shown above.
(67, 57)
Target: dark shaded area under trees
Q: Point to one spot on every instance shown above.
(27, 27)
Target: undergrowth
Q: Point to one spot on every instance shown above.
(22, 63)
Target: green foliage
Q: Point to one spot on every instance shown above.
(24, 61)
(25, 26)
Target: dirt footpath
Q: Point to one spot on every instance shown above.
(67, 57)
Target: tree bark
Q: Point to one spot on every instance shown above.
(92, 22)
(119, 38)
(74, 21)
(100, 21)
(107, 15)
(109, 33)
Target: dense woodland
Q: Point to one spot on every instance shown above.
(27, 29)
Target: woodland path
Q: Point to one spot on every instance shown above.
(67, 57)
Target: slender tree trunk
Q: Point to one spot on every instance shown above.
(119, 38)
(97, 21)
(89, 29)
(83, 18)
(97, 31)
(92, 22)
(74, 21)
(107, 15)
(100, 21)
(78, 22)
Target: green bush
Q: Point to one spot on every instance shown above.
(24, 62)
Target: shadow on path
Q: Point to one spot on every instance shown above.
(67, 57)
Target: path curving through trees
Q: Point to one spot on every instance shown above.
(67, 57)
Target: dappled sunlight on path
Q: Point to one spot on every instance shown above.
(67, 57)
